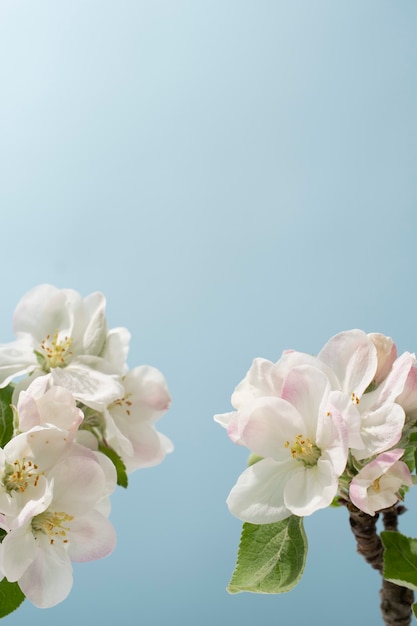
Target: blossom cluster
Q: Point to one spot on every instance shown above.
(333, 427)
(81, 421)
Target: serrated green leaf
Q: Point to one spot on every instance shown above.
(400, 559)
(271, 557)
(122, 479)
(11, 597)
(6, 415)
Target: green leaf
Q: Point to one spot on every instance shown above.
(414, 607)
(118, 464)
(254, 458)
(400, 559)
(6, 415)
(271, 557)
(11, 597)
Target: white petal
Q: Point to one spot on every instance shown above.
(381, 429)
(16, 358)
(353, 358)
(92, 537)
(43, 444)
(386, 355)
(79, 482)
(259, 381)
(116, 349)
(257, 497)
(332, 433)
(18, 552)
(48, 579)
(148, 388)
(311, 488)
(266, 426)
(224, 418)
(305, 387)
(42, 311)
(392, 386)
(91, 387)
(95, 330)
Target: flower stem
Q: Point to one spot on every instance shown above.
(396, 601)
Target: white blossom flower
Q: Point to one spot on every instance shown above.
(60, 518)
(63, 336)
(365, 368)
(370, 374)
(377, 485)
(128, 423)
(302, 440)
(382, 417)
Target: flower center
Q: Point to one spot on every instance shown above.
(51, 523)
(123, 403)
(20, 475)
(304, 450)
(54, 352)
(376, 485)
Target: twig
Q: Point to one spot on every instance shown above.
(396, 601)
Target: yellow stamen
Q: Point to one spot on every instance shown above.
(55, 351)
(304, 450)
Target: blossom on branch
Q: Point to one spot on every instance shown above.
(302, 439)
(74, 423)
(355, 388)
(377, 485)
(58, 523)
(62, 336)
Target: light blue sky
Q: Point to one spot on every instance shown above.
(238, 178)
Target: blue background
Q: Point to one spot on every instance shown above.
(238, 178)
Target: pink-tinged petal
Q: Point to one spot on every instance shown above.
(332, 434)
(292, 358)
(92, 537)
(148, 388)
(340, 403)
(386, 354)
(260, 380)
(148, 457)
(265, 427)
(149, 448)
(79, 482)
(381, 429)
(309, 489)
(57, 406)
(377, 484)
(305, 387)
(392, 386)
(408, 398)
(48, 579)
(257, 497)
(353, 358)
